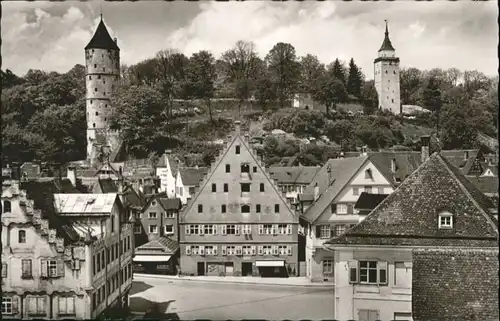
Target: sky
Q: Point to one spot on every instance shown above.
(438, 34)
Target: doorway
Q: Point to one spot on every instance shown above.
(229, 268)
(246, 268)
(201, 268)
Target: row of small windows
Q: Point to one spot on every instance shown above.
(245, 187)
(244, 208)
(378, 72)
(92, 102)
(245, 168)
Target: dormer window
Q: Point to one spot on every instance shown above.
(445, 220)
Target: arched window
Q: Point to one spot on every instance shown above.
(22, 236)
(245, 209)
(7, 208)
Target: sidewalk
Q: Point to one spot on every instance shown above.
(291, 281)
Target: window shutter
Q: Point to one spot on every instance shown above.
(382, 272)
(215, 250)
(275, 229)
(254, 250)
(239, 250)
(353, 272)
(333, 208)
(318, 231)
(224, 249)
(201, 231)
(188, 249)
(275, 249)
(15, 305)
(223, 229)
(214, 230)
(260, 250)
(60, 268)
(4, 270)
(187, 229)
(261, 229)
(289, 250)
(333, 231)
(237, 230)
(44, 268)
(289, 229)
(350, 209)
(202, 250)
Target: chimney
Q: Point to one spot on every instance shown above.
(363, 150)
(341, 154)
(71, 175)
(316, 192)
(247, 137)
(116, 40)
(425, 142)
(237, 127)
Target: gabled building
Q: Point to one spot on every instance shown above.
(238, 222)
(62, 259)
(165, 168)
(328, 207)
(293, 180)
(435, 208)
(186, 180)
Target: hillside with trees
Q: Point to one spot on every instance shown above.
(172, 101)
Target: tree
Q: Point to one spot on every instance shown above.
(201, 77)
(337, 70)
(354, 79)
(240, 65)
(432, 99)
(143, 73)
(330, 92)
(284, 71)
(311, 69)
(369, 97)
(410, 80)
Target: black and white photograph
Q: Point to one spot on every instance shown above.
(231, 160)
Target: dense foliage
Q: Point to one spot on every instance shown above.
(184, 103)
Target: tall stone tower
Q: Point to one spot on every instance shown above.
(102, 76)
(386, 76)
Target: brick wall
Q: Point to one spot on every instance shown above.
(455, 285)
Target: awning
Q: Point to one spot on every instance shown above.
(152, 258)
(269, 263)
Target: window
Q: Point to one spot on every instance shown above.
(137, 229)
(152, 215)
(226, 187)
(341, 208)
(402, 316)
(245, 209)
(327, 267)
(26, 268)
(193, 229)
(268, 228)
(267, 249)
(8, 305)
(230, 229)
(214, 188)
(22, 236)
(231, 250)
(257, 208)
(169, 214)
(90, 77)
(403, 274)
(237, 149)
(247, 230)
(368, 189)
(282, 249)
(368, 315)
(325, 232)
(95, 65)
(36, 305)
(368, 174)
(95, 89)
(245, 187)
(223, 208)
(93, 125)
(370, 272)
(153, 229)
(355, 191)
(153, 203)
(350, 208)
(245, 168)
(262, 187)
(255, 169)
(67, 305)
(200, 208)
(191, 190)
(7, 207)
(228, 168)
(282, 228)
(276, 208)
(381, 190)
(247, 250)
(209, 229)
(169, 229)
(445, 220)
(339, 229)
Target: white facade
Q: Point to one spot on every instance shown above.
(167, 178)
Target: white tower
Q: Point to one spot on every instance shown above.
(102, 76)
(386, 76)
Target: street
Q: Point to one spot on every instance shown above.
(188, 300)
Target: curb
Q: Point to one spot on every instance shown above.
(166, 277)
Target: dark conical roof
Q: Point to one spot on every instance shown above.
(102, 39)
(386, 45)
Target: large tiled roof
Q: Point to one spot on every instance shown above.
(409, 215)
(191, 176)
(170, 246)
(459, 157)
(368, 201)
(342, 170)
(406, 163)
(42, 194)
(455, 284)
(105, 185)
(293, 175)
(486, 184)
(84, 203)
(102, 39)
(170, 203)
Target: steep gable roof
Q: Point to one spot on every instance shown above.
(102, 39)
(191, 176)
(293, 174)
(165, 243)
(406, 162)
(342, 170)
(409, 215)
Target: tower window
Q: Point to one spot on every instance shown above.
(237, 150)
(392, 100)
(96, 113)
(92, 50)
(104, 81)
(90, 77)
(104, 118)
(91, 101)
(95, 65)
(394, 72)
(103, 69)
(386, 71)
(106, 105)
(93, 125)
(98, 76)
(95, 89)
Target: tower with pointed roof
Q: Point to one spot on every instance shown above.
(102, 75)
(386, 75)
